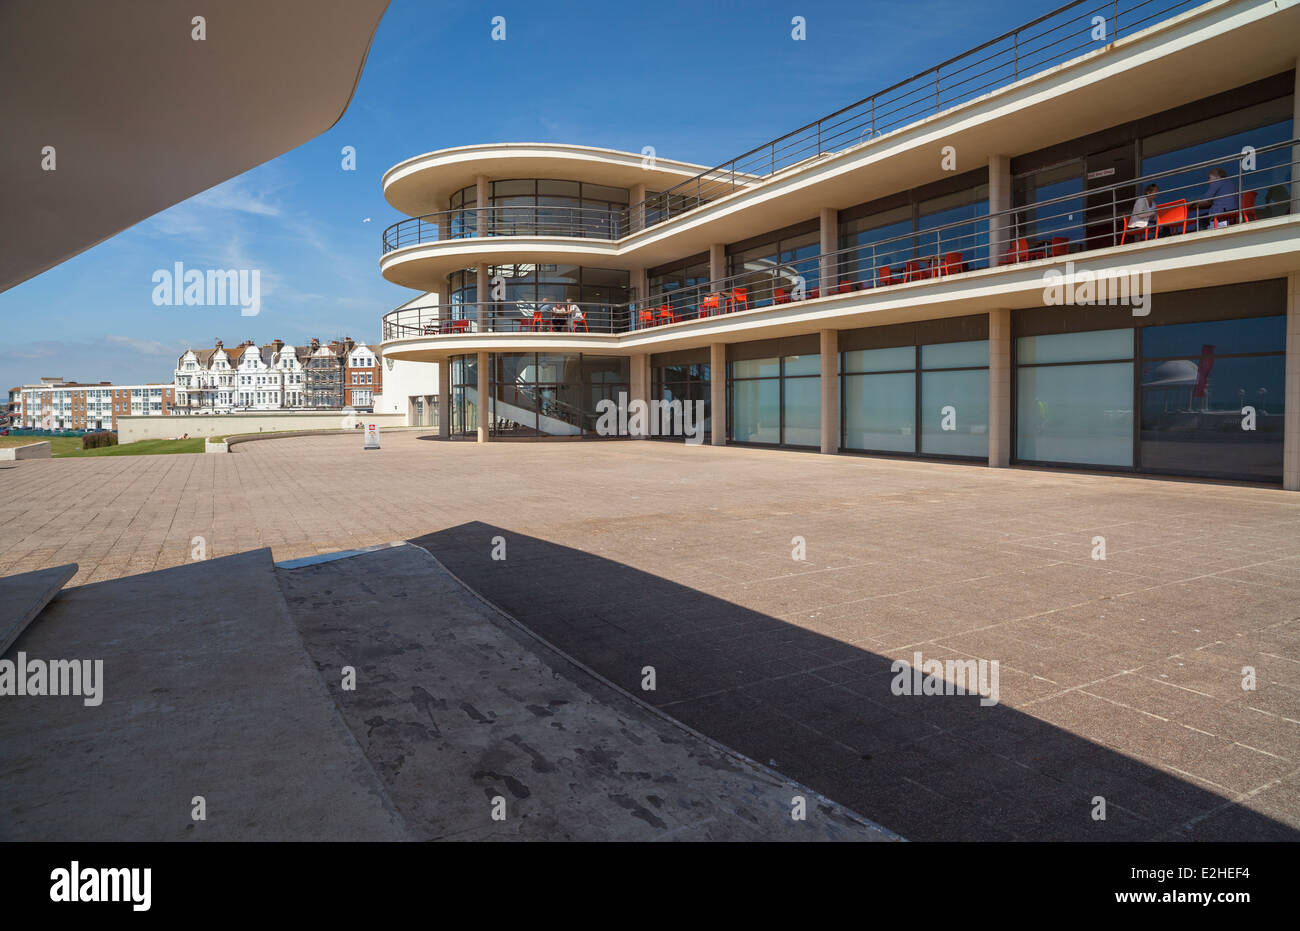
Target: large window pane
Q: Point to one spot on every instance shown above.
(756, 368)
(880, 360)
(1192, 419)
(955, 355)
(955, 413)
(802, 365)
(1075, 347)
(880, 412)
(1076, 413)
(1223, 337)
(803, 424)
(756, 411)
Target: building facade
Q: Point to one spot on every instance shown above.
(1074, 247)
(56, 404)
(246, 377)
(363, 378)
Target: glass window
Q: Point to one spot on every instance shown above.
(802, 411)
(955, 355)
(955, 223)
(955, 412)
(756, 368)
(1223, 337)
(880, 412)
(802, 365)
(1076, 413)
(756, 410)
(880, 360)
(1096, 345)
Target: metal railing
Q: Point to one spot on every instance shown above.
(1056, 37)
(1095, 218)
(471, 222)
(506, 317)
(1092, 218)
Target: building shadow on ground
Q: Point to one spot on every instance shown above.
(933, 767)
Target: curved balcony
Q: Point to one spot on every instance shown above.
(475, 222)
(505, 317)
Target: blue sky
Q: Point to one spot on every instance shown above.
(698, 81)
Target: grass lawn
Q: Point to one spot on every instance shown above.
(59, 445)
(142, 448)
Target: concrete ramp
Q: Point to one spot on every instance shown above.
(206, 691)
(464, 715)
(24, 596)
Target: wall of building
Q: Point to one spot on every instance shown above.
(403, 381)
(133, 429)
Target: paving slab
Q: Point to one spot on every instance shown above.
(206, 690)
(25, 595)
(465, 715)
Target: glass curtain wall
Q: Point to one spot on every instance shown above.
(1212, 398)
(928, 400)
(542, 207)
(687, 382)
(776, 401)
(553, 394)
(1074, 398)
(603, 292)
(780, 263)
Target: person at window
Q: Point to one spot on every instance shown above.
(1220, 200)
(1144, 209)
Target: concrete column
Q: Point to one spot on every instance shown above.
(718, 393)
(830, 348)
(1295, 150)
(999, 200)
(483, 192)
(483, 188)
(481, 285)
(636, 208)
(717, 261)
(484, 423)
(444, 398)
(830, 230)
(999, 388)
(640, 384)
(1291, 391)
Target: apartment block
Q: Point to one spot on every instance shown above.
(57, 404)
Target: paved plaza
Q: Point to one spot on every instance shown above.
(1119, 679)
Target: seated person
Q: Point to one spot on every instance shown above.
(1220, 199)
(1144, 209)
(564, 313)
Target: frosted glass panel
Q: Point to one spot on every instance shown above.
(955, 355)
(955, 413)
(1075, 347)
(756, 411)
(880, 412)
(1076, 413)
(880, 360)
(803, 424)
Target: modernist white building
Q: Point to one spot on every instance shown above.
(959, 266)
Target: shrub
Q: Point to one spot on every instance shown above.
(98, 440)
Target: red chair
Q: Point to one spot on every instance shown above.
(710, 305)
(1144, 231)
(739, 296)
(581, 321)
(886, 275)
(1171, 214)
(1060, 245)
(815, 292)
(666, 315)
(914, 271)
(844, 287)
(536, 322)
(460, 326)
(951, 264)
(1247, 212)
(1019, 252)
(645, 318)
(780, 296)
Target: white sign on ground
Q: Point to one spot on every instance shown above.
(372, 436)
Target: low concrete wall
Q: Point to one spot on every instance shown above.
(133, 429)
(215, 446)
(39, 450)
